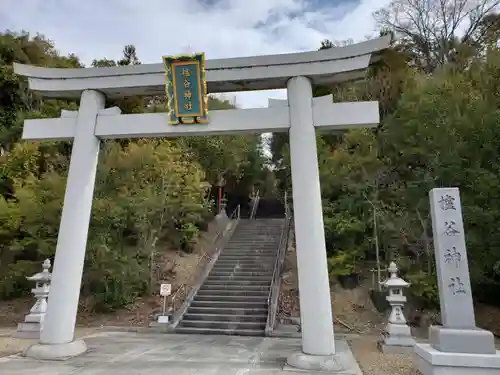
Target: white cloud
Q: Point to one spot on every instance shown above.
(231, 28)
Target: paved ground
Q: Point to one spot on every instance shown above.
(144, 354)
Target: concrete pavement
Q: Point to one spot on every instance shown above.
(127, 353)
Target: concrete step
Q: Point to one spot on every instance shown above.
(241, 258)
(225, 298)
(228, 292)
(261, 223)
(250, 252)
(253, 266)
(222, 325)
(256, 261)
(272, 228)
(254, 241)
(238, 278)
(235, 287)
(233, 269)
(250, 248)
(226, 318)
(226, 332)
(233, 282)
(262, 271)
(243, 268)
(247, 223)
(258, 231)
(247, 257)
(256, 235)
(255, 280)
(239, 273)
(230, 304)
(269, 240)
(265, 225)
(237, 311)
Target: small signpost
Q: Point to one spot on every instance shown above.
(165, 291)
(186, 89)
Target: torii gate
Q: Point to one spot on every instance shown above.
(299, 115)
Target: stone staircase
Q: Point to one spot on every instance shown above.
(233, 299)
(270, 208)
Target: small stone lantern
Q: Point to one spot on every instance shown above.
(33, 322)
(396, 337)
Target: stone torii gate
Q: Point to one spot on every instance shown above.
(299, 115)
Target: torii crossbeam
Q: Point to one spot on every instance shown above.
(112, 124)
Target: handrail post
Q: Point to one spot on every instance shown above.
(255, 202)
(286, 203)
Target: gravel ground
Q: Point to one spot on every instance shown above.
(373, 362)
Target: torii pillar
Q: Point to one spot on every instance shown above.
(318, 340)
(314, 285)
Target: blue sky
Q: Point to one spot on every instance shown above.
(220, 28)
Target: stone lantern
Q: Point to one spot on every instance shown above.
(396, 337)
(33, 322)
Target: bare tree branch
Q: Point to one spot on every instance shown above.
(432, 29)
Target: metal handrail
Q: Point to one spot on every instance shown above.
(220, 233)
(288, 211)
(283, 245)
(255, 203)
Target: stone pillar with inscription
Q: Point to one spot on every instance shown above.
(456, 347)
